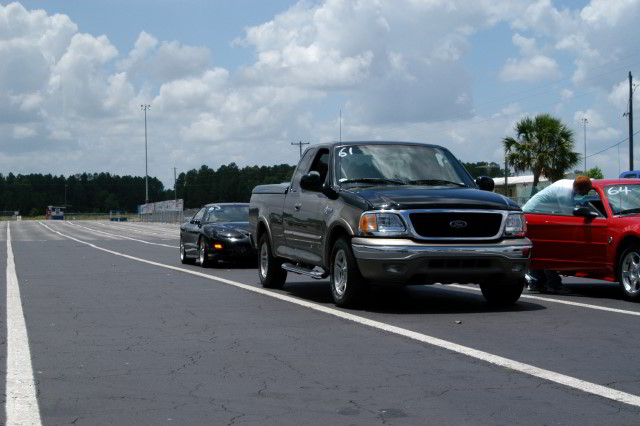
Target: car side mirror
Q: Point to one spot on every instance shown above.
(485, 183)
(195, 221)
(328, 190)
(311, 181)
(584, 212)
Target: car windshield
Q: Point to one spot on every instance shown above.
(235, 213)
(399, 165)
(623, 199)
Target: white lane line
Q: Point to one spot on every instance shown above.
(137, 231)
(572, 382)
(115, 235)
(562, 302)
(21, 406)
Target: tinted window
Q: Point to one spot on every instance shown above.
(230, 213)
(199, 215)
(321, 163)
(302, 168)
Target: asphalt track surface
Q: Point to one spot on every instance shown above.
(119, 332)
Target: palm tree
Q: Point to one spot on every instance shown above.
(543, 145)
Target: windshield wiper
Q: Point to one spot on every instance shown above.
(434, 182)
(373, 180)
(630, 211)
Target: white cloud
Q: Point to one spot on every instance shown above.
(23, 132)
(397, 70)
(538, 67)
(167, 60)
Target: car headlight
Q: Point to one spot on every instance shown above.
(381, 224)
(515, 226)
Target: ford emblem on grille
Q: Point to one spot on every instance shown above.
(458, 224)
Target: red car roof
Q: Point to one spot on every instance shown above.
(617, 181)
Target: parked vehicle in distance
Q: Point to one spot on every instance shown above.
(630, 174)
(598, 237)
(217, 231)
(388, 213)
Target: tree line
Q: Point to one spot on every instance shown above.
(101, 192)
(543, 145)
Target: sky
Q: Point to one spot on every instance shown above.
(240, 81)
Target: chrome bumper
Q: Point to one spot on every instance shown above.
(401, 260)
(392, 249)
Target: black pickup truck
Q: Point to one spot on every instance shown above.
(388, 213)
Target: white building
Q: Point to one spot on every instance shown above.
(519, 187)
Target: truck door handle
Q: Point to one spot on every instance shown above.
(297, 206)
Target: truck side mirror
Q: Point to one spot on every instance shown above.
(485, 183)
(311, 181)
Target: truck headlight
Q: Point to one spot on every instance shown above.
(515, 226)
(381, 224)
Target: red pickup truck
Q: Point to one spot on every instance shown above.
(597, 237)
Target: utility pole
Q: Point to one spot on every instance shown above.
(300, 145)
(584, 123)
(340, 125)
(175, 185)
(630, 122)
(506, 174)
(146, 170)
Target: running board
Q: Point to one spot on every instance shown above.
(318, 275)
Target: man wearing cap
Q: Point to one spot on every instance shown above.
(557, 198)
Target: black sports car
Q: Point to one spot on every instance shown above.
(217, 232)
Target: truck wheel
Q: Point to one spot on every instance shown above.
(269, 267)
(629, 268)
(183, 255)
(502, 293)
(203, 253)
(347, 284)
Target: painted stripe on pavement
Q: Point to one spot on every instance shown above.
(572, 382)
(21, 406)
(562, 302)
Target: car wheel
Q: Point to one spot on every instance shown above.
(269, 267)
(347, 284)
(183, 255)
(203, 253)
(629, 268)
(502, 293)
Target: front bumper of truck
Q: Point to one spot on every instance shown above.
(404, 261)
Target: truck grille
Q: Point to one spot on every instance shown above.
(458, 225)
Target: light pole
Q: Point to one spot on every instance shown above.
(146, 171)
(584, 124)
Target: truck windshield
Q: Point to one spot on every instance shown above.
(623, 199)
(399, 164)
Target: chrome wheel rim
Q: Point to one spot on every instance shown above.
(182, 253)
(631, 273)
(340, 271)
(264, 261)
(202, 249)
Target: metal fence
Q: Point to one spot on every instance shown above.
(162, 216)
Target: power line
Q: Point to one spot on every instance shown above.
(613, 146)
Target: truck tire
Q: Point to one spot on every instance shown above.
(347, 284)
(203, 253)
(629, 271)
(183, 255)
(269, 267)
(502, 293)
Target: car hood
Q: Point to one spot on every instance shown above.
(228, 229)
(420, 197)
